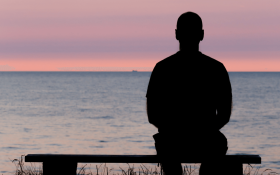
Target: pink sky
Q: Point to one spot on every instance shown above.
(47, 35)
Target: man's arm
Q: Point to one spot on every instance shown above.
(223, 114)
(154, 93)
(224, 100)
(151, 113)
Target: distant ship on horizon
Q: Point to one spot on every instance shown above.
(134, 71)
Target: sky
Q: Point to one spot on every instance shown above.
(57, 35)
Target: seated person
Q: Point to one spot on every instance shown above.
(189, 100)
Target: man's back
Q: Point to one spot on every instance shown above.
(189, 100)
(186, 89)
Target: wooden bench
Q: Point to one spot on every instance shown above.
(54, 164)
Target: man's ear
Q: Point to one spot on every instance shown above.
(202, 35)
(176, 34)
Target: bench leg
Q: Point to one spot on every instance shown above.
(59, 168)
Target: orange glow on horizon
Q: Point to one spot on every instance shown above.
(52, 64)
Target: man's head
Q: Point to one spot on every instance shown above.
(189, 29)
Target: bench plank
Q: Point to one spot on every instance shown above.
(85, 158)
(53, 163)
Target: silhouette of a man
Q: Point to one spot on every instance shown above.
(189, 100)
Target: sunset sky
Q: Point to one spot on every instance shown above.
(52, 35)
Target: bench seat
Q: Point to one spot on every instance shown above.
(52, 163)
(85, 158)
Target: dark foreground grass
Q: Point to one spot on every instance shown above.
(22, 169)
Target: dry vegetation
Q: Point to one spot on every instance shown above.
(22, 169)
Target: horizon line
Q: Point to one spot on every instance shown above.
(116, 71)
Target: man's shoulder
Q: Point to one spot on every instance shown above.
(167, 59)
(211, 60)
(205, 58)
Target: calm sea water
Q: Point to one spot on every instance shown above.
(105, 113)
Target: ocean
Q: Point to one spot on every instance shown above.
(105, 113)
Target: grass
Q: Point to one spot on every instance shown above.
(22, 169)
